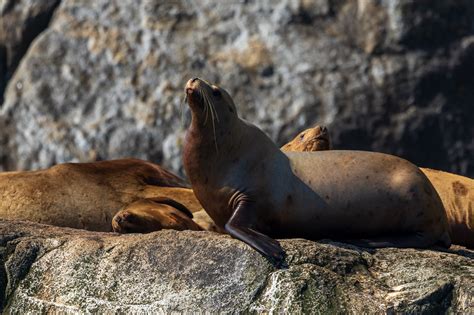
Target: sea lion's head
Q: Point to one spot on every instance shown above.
(312, 139)
(209, 103)
(149, 215)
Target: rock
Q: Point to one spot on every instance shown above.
(105, 79)
(50, 269)
(20, 22)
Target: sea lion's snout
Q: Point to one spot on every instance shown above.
(193, 91)
(323, 130)
(191, 86)
(120, 221)
(323, 133)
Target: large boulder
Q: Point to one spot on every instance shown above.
(105, 79)
(46, 269)
(20, 22)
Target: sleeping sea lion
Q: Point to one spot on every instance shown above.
(87, 195)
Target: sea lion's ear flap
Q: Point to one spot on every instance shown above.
(173, 203)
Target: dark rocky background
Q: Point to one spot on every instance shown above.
(85, 80)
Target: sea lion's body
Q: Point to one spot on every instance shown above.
(457, 195)
(253, 190)
(456, 192)
(351, 188)
(87, 195)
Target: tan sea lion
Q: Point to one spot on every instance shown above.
(456, 192)
(457, 195)
(256, 192)
(87, 195)
(312, 139)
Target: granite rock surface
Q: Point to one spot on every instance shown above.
(45, 269)
(105, 79)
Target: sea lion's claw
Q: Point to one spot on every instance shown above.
(277, 259)
(265, 245)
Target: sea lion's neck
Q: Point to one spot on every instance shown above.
(204, 145)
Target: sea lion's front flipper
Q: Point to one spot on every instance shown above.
(239, 227)
(180, 222)
(173, 203)
(153, 214)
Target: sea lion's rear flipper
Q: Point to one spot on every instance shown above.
(238, 227)
(414, 240)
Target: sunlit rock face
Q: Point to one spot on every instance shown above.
(47, 269)
(105, 79)
(20, 22)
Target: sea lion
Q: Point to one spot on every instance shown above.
(256, 192)
(154, 214)
(87, 195)
(457, 195)
(312, 139)
(148, 215)
(456, 192)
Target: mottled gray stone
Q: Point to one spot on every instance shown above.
(20, 22)
(105, 79)
(50, 269)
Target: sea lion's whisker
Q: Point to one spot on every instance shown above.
(204, 103)
(215, 136)
(206, 111)
(215, 112)
(213, 117)
(182, 107)
(206, 107)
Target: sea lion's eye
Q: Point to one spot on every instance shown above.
(216, 92)
(302, 136)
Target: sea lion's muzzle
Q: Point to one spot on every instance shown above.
(191, 86)
(193, 93)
